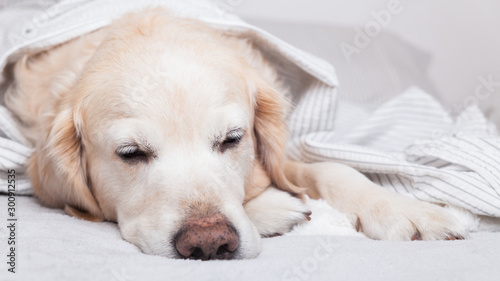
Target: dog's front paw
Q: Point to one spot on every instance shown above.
(405, 219)
(275, 212)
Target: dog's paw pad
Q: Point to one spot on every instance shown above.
(358, 226)
(454, 237)
(308, 215)
(416, 236)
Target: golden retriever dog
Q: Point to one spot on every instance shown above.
(177, 131)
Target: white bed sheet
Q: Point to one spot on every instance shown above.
(53, 246)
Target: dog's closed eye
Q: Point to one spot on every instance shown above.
(132, 154)
(231, 140)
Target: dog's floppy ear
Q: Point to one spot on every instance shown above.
(58, 169)
(271, 135)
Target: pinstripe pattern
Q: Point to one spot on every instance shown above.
(13, 154)
(411, 146)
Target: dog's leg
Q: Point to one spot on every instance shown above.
(275, 212)
(379, 213)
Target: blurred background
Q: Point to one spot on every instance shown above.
(462, 37)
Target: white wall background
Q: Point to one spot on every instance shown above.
(462, 35)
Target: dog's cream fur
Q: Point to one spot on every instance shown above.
(173, 88)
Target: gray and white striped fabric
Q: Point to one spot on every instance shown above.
(406, 142)
(13, 154)
(412, 146)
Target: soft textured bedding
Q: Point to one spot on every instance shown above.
(54, 246)
(374, 87)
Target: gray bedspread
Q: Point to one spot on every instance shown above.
(54, 246)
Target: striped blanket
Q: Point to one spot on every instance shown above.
(407, 143)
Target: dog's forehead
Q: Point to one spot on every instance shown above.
(178, 71)
(174, 97)
(172, 79)
(182, 88)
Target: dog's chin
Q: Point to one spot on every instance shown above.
(249, 237)
(160, 241)
(249, 247)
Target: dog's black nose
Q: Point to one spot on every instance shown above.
(206, 238)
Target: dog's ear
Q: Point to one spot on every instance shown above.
(58, 169)
(271, 135)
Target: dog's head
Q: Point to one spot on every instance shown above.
(168, 129)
